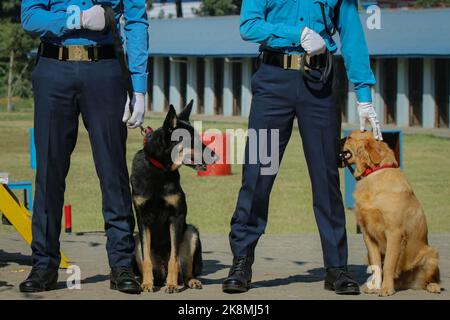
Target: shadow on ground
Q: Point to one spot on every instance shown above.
(95, 279)
(313, 275)
(8, 258)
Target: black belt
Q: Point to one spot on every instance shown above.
(293, 61)
(77, 53)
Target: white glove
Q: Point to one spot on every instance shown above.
(93, 18)
(136, 119)
(312, 42)
(367, 113)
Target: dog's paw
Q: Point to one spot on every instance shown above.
(433, 288)
(367, 290)
(386, 292)
(195, 284)
(148, 287)
(171, 289)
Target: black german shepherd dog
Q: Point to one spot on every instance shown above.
(168, 250)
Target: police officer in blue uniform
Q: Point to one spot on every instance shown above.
(294, 81)
(78, 72)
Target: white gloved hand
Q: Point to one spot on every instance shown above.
(312, 42)
(93, 18)
(136, 119)
(367, 113)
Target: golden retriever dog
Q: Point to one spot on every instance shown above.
(391, 218)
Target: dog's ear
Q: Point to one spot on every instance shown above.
(362, 160)
(186, 113)
(374, 151)
(171, 119)
(387, 154)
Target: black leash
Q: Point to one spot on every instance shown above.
(120, 53)
(323, 74)
(110, 25)
(329, 59)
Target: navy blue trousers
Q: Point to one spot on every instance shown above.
(280, 96)
(63, 91)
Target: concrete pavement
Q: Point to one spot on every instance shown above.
(286, 267)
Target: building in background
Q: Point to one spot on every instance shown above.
(205, 59)
(396, 3)
(166, 9)
(388, 3)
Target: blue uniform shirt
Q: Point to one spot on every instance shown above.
(278, 24)
(48, 19)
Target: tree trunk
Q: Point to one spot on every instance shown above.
(179, 6)
(10, 80)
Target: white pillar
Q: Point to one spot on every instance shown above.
(209, 95)
(227, 88)
(174, 89)
(428, 101)
(191, 86)
(158, 84)
(378, 100)
(246, 90)
(352, 107)
(402, 93)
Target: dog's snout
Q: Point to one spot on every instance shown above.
(345, 155)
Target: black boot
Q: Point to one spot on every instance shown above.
(340, 281)
(239, 277)
(40, 280)
(123, 279)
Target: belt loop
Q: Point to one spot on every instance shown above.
(95, 49)
(285, 61)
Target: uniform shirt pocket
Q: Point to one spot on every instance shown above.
(281, 11)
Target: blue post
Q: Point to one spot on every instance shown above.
(349, 180)
(27, 186)
(32, 150)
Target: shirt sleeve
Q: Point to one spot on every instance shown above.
(354, 50)
(38, 20)
(136, 33)
(254, 27)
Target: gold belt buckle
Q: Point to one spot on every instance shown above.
(296, 61)
(78, 53)
(292, 61)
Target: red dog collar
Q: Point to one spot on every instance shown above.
(156, 163)
(369, 171)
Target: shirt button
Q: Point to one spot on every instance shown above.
(301, 19)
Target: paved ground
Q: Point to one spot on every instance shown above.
(287, 267)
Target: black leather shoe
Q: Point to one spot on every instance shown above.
(40, 280)
(239, 277)
(123, 279)
(340, 281)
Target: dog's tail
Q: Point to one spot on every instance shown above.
(197, 260)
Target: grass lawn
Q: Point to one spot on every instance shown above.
(211, 200)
